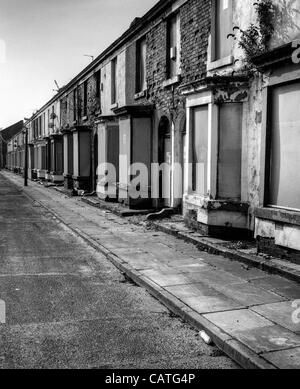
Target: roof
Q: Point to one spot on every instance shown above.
(11, 131)
(135, 27)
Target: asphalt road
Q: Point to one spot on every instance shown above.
(67, 306)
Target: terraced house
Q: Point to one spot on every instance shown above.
(213, 86)
(5, 137)
(243, 124)
(45, 143)
(128, 103)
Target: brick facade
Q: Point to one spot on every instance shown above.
(5, 136)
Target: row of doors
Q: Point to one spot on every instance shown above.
(164, 157)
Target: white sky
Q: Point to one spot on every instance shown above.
(45, 40)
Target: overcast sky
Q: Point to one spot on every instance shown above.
(45, 40)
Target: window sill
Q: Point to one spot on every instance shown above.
(114, 106)
(226, 61)
(278, 215)
(140, 95)
(171, 81)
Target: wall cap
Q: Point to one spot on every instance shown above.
(278, 215)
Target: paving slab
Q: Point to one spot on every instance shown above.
(286, 288)
(280, 313)
(266, 339)
(203, 299)
(191, 266)
(248, 294)
(286, 359)
(214, 278)
(237, 269)
(168, 278)
(237, 321)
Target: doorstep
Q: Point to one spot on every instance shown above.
(61, 189)
(115, 208)
(241, 251)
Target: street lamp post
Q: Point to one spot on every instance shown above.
(25, 132)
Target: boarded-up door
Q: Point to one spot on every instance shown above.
(165, 162)
(230, 154)
(200, 148)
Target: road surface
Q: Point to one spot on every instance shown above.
(67, 306)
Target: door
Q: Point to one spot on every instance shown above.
(167, 172)
(95, 170)
(165, 162)
(230, 151)
(200, 150)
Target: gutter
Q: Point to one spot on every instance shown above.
(134, 29)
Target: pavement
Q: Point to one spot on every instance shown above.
(250, 314)
(64, 305)
(243, 251)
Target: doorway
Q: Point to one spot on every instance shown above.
(95, 169)
(165, 161)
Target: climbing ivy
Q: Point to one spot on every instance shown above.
(255, 40)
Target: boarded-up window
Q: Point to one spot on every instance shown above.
(85, 98)
(223, 27)
(230, 155)
(284, 184)
(98, 84)
(173, 46)
(141, 84)
(40, 126)
(75, 104)
(114, 80)
(200, 145)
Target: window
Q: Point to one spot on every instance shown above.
(34, 129)
(85, 98)
(222, 22)
(173, 46)
(40, 126)
(98, 84)
(114, 80)
(284, 157)
(200, 149)
(75, 104)
(141, 83)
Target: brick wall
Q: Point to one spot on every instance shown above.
(67, 106)
(195, 28)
